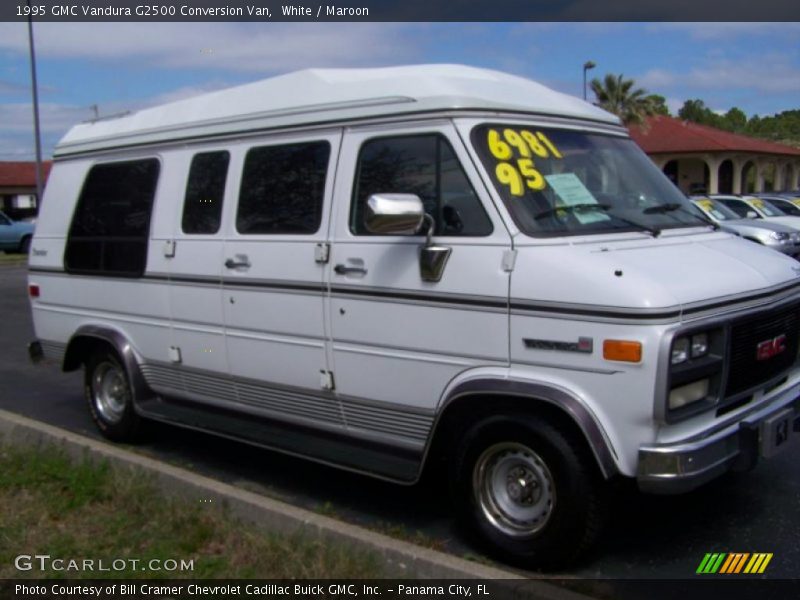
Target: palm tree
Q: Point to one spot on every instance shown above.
(616, 95)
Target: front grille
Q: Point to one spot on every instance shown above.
(746, 372)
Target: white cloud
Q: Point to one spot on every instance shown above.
(244, 47)
(718, 31)
(766, 73)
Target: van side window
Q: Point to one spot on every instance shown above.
(111, 224)
(424, 165)
(205, 189)
(282, 189)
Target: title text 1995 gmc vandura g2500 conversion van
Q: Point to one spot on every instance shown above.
(389, 269)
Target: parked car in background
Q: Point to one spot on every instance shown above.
(15, 236)
(785, 202)
(750, 207)
(773, 235)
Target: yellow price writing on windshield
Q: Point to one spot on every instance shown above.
(515, 151)
(707, 204)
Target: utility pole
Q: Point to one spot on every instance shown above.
(36, 131)
(586, 66)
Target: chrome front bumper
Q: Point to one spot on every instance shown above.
(680, 467)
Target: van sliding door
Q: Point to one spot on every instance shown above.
(274, 277)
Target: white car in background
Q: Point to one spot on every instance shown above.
(750, 207)
(773, 235)
(784, 202)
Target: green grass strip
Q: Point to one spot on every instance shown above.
(84, 510)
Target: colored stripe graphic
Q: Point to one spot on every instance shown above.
(724, 563)
(758, 564)
(711, 563)
(734, 563)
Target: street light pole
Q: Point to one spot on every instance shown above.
(586, 66)
(36, 131)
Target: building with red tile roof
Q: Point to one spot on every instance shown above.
(699, 158)
(18, 187)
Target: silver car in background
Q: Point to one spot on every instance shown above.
(773, 235)
(787, 203)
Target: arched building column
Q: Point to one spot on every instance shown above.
(713, 163)
(738, 168)
(761, 166)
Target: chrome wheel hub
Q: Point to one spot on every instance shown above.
(514, 489)
(109, 392)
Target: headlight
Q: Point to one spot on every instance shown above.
(779, 235)
(695, 373)
(686, 394)
(680, 351)
(699, 345)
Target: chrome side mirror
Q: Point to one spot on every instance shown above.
(398, 214)
(404, 214)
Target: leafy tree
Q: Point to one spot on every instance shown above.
(697, 112)
(734, 120)
(617, 95)
(659, 104)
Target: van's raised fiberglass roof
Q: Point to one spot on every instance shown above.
(328, 95)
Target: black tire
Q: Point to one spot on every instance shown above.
(110, 397)
(25, 245)
(529, 491)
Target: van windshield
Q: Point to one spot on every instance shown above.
(559, 182)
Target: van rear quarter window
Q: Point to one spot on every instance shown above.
(111, 224)
(205, 189)
(282, 189)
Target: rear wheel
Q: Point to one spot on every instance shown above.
(528, 490)
(110, 397)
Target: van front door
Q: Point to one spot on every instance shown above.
(398, 340)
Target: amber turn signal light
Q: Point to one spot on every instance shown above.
(622, 350)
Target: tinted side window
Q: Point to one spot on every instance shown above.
(740, 208)
(282, 189)
(202, 207)
(424, 165)
(111, 224)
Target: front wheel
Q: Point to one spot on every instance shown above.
(528, 491)
(110, 397)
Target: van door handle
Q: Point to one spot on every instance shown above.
(243, 262)
(344, 270)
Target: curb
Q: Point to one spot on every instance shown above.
(402, 559)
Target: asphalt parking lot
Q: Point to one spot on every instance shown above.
(648, 537)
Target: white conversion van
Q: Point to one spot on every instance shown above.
(392, 269)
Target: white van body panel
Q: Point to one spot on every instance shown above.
(322, 95)
(369, 354)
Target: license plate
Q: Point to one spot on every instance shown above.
(776, 432)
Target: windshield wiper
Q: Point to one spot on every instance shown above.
(673, 206)
(595, 207)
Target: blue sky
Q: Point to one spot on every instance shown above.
(127, 66)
